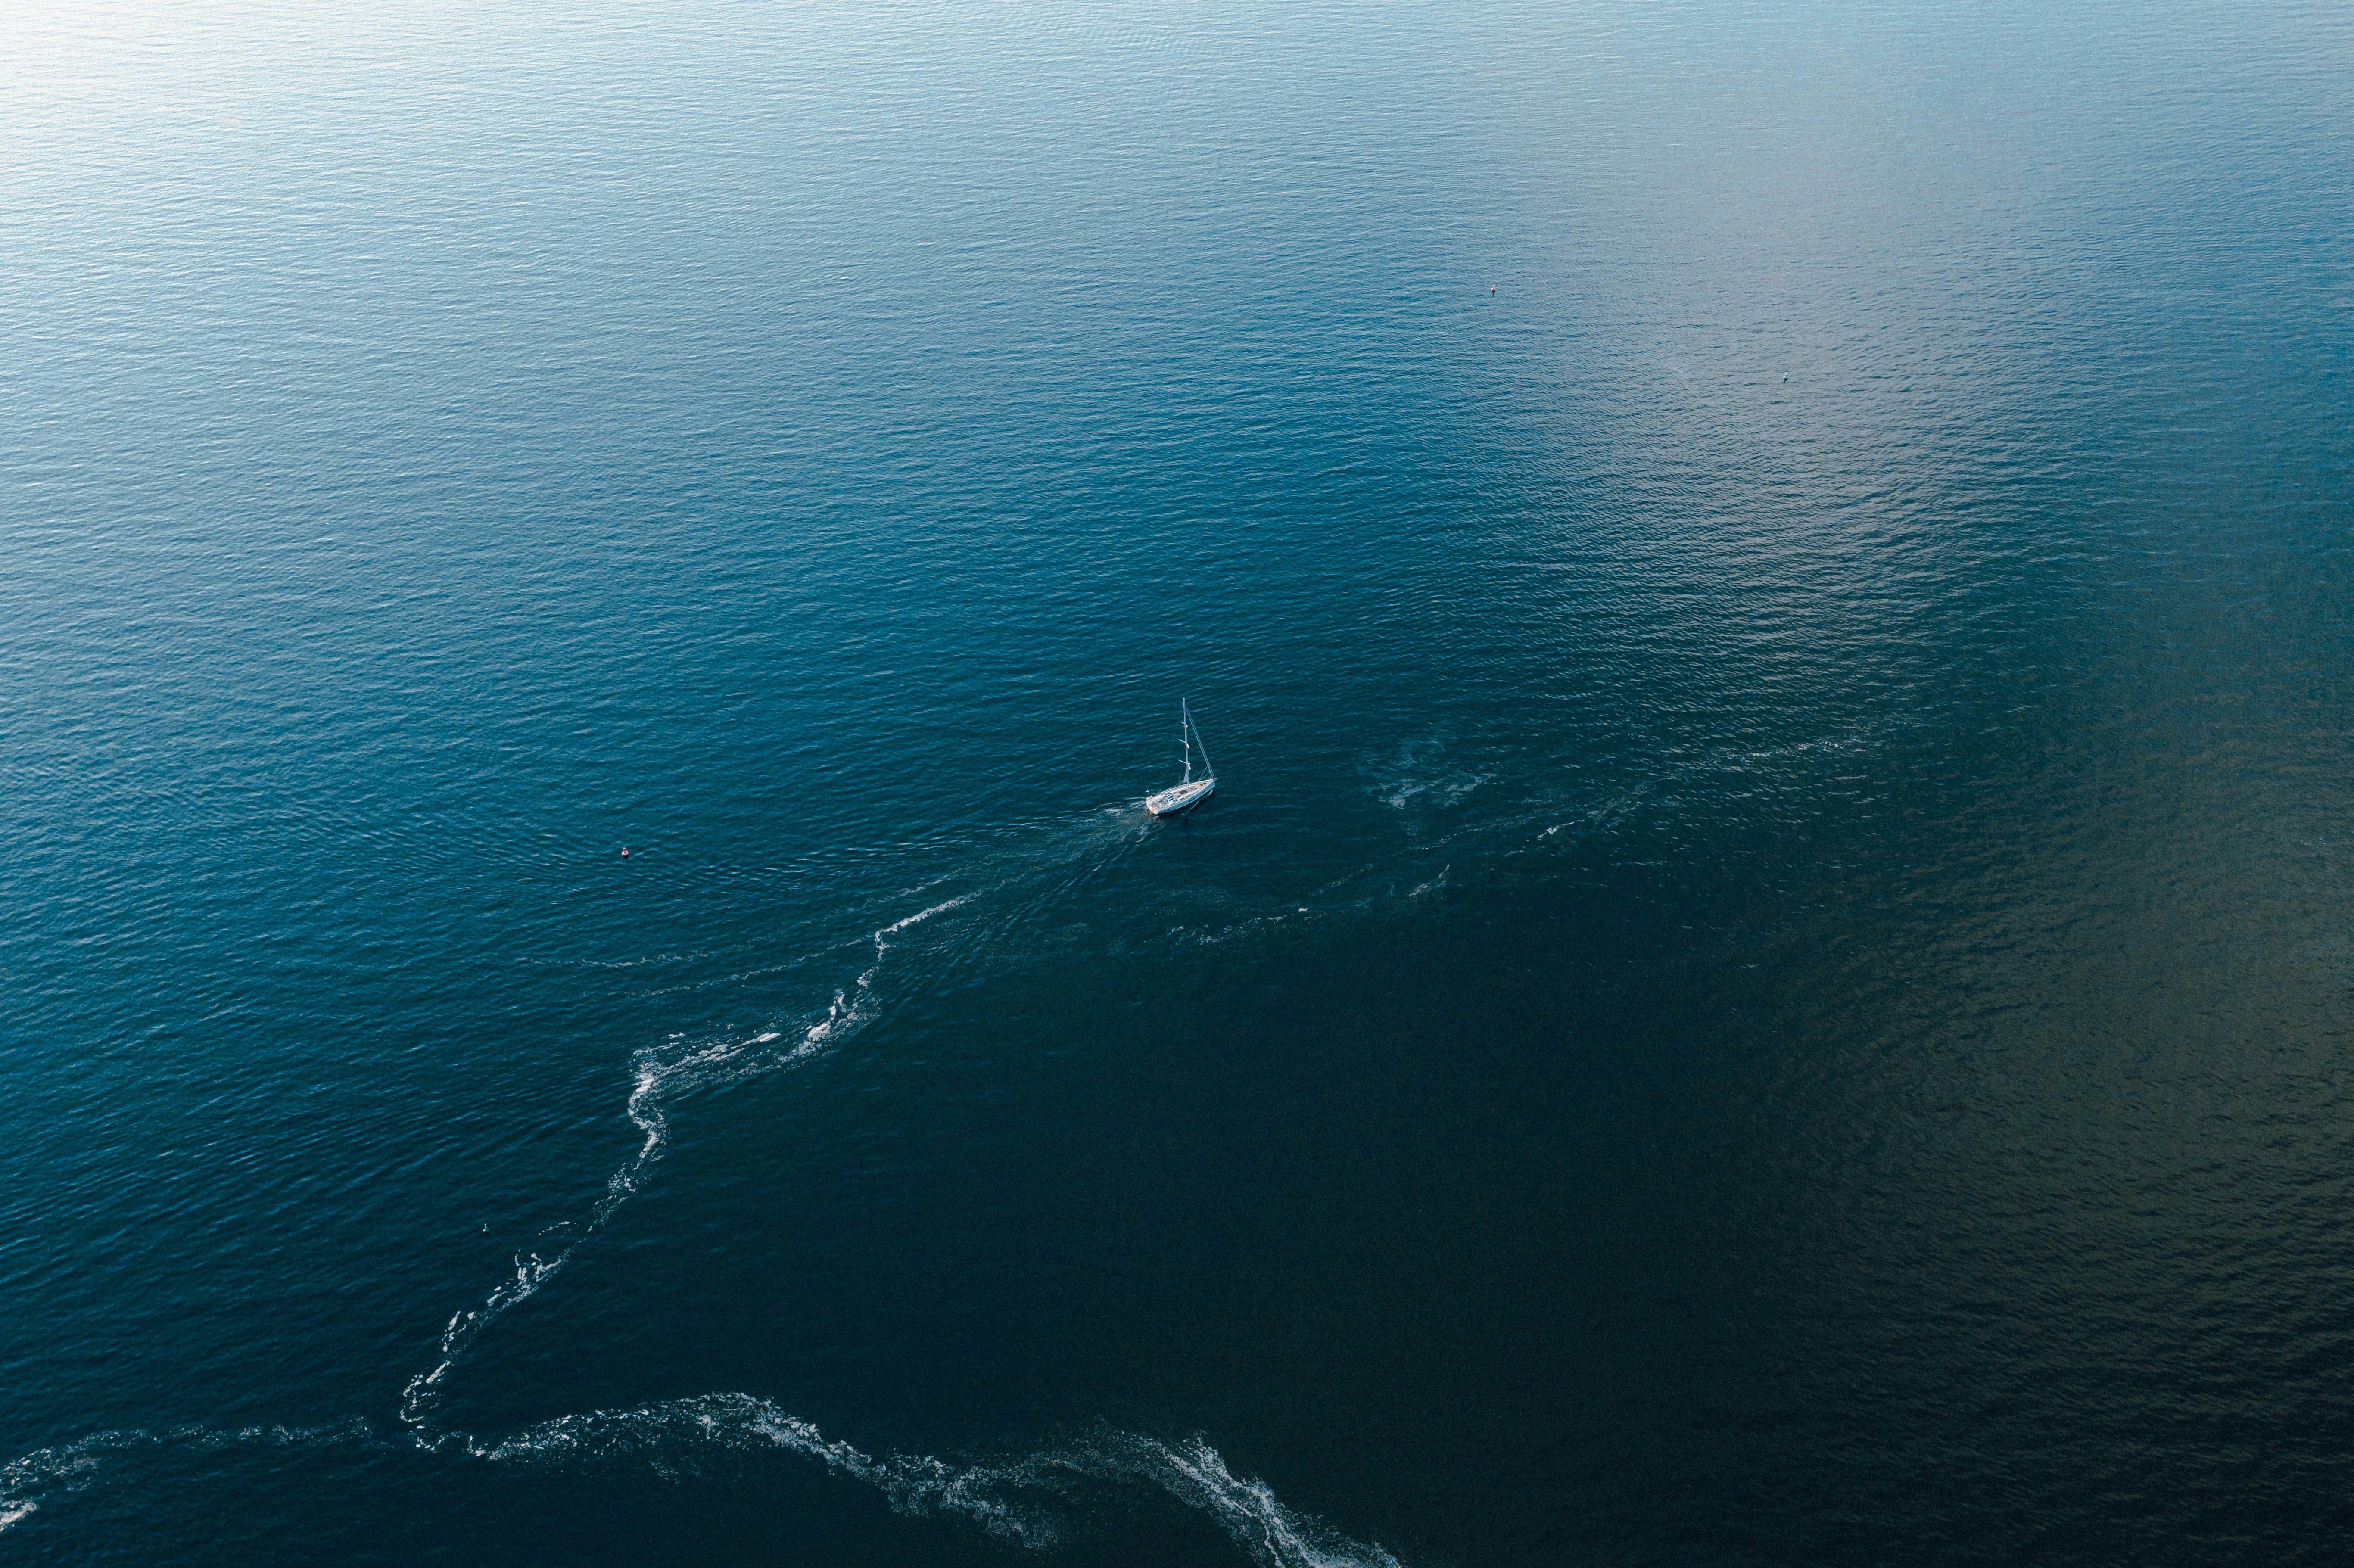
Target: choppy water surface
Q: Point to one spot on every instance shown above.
(1767, 980)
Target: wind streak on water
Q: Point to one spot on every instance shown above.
(658, 1072)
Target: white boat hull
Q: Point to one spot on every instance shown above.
(1169, 802)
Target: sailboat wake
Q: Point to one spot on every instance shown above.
(1038, 1500)
(660, 1071)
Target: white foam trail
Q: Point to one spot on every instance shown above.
(1028, 1501)
(1035, 1501)
(1418, 775)
(665, 1436)
(1442, 792)
(1253, 1516)
(658, 1072)
(71, 1466)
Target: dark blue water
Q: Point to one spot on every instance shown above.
(1768, 979)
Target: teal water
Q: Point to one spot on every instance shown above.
(1767, 980)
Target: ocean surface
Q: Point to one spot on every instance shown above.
(1769, 978)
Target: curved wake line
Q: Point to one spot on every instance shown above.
(658, 1071)
(1033, 1501)
(1036, 1501)
(26, 1482)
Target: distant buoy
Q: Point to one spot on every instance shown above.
(625, 852)
(1491, 287)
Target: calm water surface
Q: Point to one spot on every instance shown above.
(1768, 979)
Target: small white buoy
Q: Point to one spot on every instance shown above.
(625, 852)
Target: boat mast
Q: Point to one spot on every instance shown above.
(1185, 737)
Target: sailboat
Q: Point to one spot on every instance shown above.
(1192, 791)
